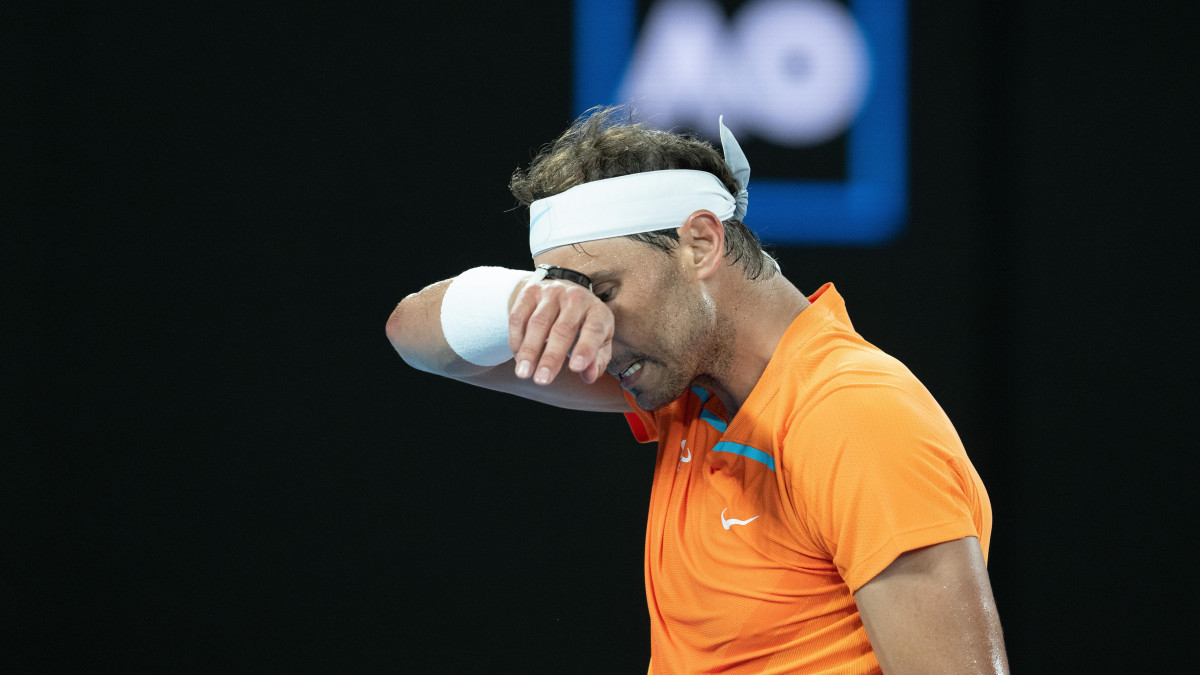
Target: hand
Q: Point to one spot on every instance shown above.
(547, 318)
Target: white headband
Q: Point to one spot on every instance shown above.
(638, 202)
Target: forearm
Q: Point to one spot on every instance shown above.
(469, 327)
(415, 331)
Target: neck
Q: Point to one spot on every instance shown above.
(758, 313)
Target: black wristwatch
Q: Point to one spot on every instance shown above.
(556, 272)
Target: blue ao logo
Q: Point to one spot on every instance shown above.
(793, 73)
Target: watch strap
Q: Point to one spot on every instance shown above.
(546, 271)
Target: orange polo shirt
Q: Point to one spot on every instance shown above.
(761, 527)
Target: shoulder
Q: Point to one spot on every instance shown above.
(848, 404)
(837, 378)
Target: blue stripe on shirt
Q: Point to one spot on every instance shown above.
(729, 446)
(747, 452)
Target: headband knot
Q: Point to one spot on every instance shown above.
(737, 162)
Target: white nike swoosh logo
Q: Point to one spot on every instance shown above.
(734, 521)
(683, 446)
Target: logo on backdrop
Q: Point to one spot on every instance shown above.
(815, 91)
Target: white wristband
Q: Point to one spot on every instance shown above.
(475, 314)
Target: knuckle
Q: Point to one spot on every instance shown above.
(520, 313)
(593, 328)
(556, 348)
(563, 331)
(539, 321)
(527, 352)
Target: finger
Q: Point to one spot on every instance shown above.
(527, 301)
(563, 334)
(597, 330)
(596, 369)
(536, 331)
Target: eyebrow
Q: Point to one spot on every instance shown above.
(602, 276)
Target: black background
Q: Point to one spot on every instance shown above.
(213, 459)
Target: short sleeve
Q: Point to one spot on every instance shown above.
(879, 473)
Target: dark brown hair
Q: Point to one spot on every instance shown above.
(605, 142)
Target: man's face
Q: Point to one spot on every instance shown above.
(665, 323)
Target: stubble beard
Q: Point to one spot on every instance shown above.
(701, 356)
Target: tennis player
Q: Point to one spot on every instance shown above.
(812, 509)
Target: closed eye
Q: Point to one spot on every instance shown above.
(604, 279)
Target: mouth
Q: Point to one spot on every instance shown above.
(629, 375)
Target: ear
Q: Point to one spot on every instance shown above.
(702, 243)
